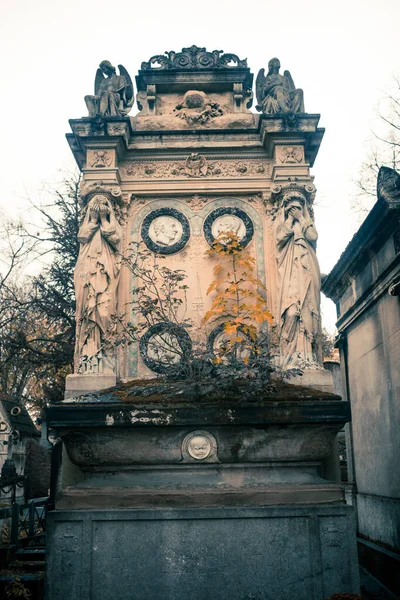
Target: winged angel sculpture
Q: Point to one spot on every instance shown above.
(277, 93)
(113, 94)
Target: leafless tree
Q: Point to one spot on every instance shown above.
(385, 150)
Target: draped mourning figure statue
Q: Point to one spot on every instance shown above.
(277, 93)
(299, 284)
(113, 94)
(96, 281)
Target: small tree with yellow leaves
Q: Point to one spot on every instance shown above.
(239, 304)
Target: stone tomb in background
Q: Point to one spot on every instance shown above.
(171, 498)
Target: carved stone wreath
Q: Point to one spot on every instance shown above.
(238, 215)
(165, 231)
(219, 330)
(154, 352)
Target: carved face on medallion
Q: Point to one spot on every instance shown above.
(229, 219)
(165, 230)
(228, 224)
(199, 447)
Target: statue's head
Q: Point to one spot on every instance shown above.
(293, 199)
(274, 65)
(107, 67)
(166, 230)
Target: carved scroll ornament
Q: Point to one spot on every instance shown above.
(194, 58)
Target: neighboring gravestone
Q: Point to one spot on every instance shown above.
(173, 496)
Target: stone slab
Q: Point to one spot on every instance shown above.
(318, 379)
(274, 553)
(77, 385)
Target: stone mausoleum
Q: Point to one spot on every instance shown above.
(365, 286)
(165, 496)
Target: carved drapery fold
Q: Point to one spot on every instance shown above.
(299, 279)
(96, 277)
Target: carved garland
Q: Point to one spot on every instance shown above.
(195, 166)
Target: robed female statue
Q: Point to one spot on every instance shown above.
(299, 284)
(96, 281)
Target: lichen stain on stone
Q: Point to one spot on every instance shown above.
(109, 420)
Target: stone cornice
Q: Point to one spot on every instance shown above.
(379, 287)
(382, 218)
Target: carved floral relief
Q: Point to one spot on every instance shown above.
(290, 154)
(100, 159)
(195, 166)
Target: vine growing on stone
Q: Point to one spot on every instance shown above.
(239, 304)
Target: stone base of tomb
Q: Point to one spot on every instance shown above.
(260, 553)
(217, 499)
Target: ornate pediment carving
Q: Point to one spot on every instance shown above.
(194, 58)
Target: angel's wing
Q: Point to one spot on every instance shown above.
(289, 78)
(260, 85)
(129, 96)
(99, 78)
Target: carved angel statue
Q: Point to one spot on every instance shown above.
(277, 93)
(113, 94)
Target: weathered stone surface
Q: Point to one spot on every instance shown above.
(76, 385)
(231, 554)
(37, 470)
(169, 122)
(137, 454)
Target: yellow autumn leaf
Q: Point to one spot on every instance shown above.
(230, 328)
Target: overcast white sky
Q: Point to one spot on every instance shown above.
(343, 54)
